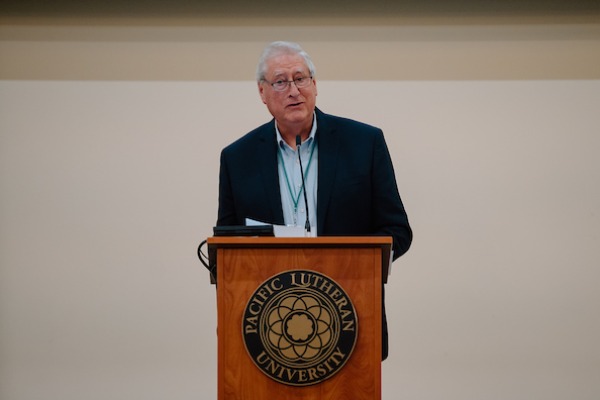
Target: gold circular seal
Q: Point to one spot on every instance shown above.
(300, 327)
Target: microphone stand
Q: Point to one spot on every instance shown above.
(307, 223)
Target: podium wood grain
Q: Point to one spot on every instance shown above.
(245, 263)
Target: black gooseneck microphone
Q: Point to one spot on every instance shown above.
(307, 223)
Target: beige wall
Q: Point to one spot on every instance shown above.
(351, 39)
(381, 51)
(110, 129)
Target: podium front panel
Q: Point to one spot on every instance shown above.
(244, 264)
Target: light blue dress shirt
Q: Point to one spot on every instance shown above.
(290, 179)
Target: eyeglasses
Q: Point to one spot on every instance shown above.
(280, 85)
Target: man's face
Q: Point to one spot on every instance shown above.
(292, 107)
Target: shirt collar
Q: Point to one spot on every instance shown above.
(282, 143)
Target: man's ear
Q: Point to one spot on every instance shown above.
(261, 91)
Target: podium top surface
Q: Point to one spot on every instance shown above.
(239, 242)
(269, 241)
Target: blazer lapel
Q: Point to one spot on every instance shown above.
(267, 148)
(328, 141)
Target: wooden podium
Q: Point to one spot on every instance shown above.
(358, 265)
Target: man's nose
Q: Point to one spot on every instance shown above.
(294, 91)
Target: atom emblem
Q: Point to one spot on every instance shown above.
(299, 327)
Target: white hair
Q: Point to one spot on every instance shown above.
(278, 48)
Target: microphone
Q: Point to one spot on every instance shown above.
(298, 143)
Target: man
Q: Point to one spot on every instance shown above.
(350, 183)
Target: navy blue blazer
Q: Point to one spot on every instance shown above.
(357, 194)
